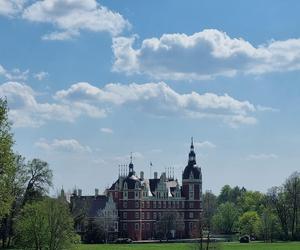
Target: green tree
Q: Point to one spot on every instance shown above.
(7, 166)
(248, 222)
(251, 201)
(268, 226)
(292, 189)
(277, 199)
(39, 179)
(225, 220)
(45, 224)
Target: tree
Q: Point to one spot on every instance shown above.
(278, 200)
(7, 167)
(209, 209)
(45, 224)
(39, 180)
(18, 188)
(229, 194)
(292, 189)
(169, 221)
(251, 201)
(225, 220)
(268, 226)
(248, 222)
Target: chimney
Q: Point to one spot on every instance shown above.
(155, 175)
(79, 192)
(96, 192)
(142, 175)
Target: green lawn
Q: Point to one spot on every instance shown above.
(185, 246)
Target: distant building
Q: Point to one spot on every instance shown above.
(139, 203)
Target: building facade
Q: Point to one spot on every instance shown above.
(143, 205)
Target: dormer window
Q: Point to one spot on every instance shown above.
(136, 185)
(125, 185)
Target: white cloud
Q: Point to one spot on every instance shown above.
(41, 75)
(62, 145)
(203, 55)
(261, 156)
(27, 111)
(205, 144)
(72, 16)
(11, 7)
(155, 99)
(107, 130)
(14, 74)
(159, 99)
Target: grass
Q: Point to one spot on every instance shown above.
(186, 246)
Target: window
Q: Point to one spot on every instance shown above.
(125, 226)
(191, 225)
(169, 204)
(125, 204)
(148, 215)
(125, 215)
(143, 226)
(137, 215)
(148, 204)
(154, 216)
(143, 215)
(142, 203)
(191, 215)
(154, 204)
(125, 196)
(137, 226)
(116, 226)
(148, 226)
(136, 204)
(159, 204)
(191, 204)
(136, 194)
(164, 204)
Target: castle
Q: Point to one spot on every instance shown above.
(139, 208)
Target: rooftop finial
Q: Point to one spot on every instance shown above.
(130, 157)
(192, 142)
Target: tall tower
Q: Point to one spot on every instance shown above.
(192, 191)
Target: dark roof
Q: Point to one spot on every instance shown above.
(191, 168)
(153, 184)
(89, 205)
(131, 180)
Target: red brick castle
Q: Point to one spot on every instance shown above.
(143, 207)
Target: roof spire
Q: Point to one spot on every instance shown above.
(131, 171)
(192, 143)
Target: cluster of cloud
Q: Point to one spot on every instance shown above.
(156, 99)
(161, 100)
(69, 17)
(203, 55)
(11, 7)
(14, 74)
(27, 111)
(19, 75)
(261, 156)
(65, 145)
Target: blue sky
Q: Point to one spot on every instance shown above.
(90, 81)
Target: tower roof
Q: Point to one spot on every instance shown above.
(192, 165)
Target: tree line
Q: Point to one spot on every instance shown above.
(270, 216)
